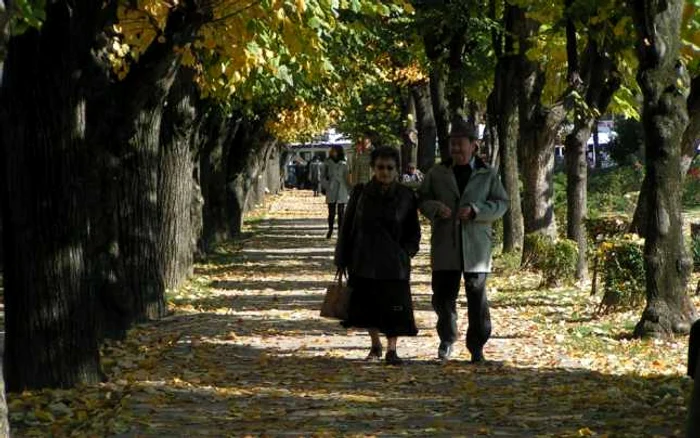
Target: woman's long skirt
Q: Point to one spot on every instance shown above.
(385, 305)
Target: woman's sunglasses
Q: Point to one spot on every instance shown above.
(383, 167)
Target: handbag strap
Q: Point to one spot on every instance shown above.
(339, 274)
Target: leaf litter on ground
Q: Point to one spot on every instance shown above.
(245, 353)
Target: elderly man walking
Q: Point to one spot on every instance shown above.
(462, 197)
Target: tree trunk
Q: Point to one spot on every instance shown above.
(272, 172)
(504, 116)
(507, 128)
(455, 89)
(136, 135)
(490, 143)
(51, 338)
(576, 189)
(441, 111)
(692, 131)
(536, 144)
(427, 131)
(175, 182)
(691, 134)
(600, 81)
(218, 133)
(665, 116)
(241, 172)
(538, 130)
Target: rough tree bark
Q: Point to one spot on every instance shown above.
(505, 114)
(455, 89)
(427, 130)
(441, 112)
(217, 134)
(136, 135)
(175, 182)
(538, 130)
(244, 164)
(51, 338)
(691, 134)
(597, 79)
(664, 83)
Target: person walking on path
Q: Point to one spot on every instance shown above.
(413, 177)
(380, 235)
(315, 169)
(361, 171)
(462, 198)
(336, 182)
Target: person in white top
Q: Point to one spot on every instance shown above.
(337, 184)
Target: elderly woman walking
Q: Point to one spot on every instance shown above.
(379, 237)
(336, 182)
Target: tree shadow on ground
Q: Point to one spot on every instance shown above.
(278, 285)
(284, 301)
(227, 387)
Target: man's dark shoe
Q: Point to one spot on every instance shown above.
(478, 356)
(375, 353)
(444, 351)
(329, 234)
(392, 358)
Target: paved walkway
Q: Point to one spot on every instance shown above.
(247, 353)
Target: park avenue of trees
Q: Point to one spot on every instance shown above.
(136, 134)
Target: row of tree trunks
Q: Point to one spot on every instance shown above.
(245, 168)
(101, 206)
(664, 117)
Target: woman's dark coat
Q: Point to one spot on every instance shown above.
(380, 233)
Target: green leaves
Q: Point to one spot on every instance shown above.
(26, 14)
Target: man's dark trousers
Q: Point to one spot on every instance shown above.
(445, 291)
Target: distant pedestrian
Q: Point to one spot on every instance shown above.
(377, 241)
(336, 182)
(361, 171)
(300, 171)
(315, 169)
(412, 175)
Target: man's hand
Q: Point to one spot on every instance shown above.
(465, 213)
(444, 211)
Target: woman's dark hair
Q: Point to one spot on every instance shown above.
(384, 152)
(339, 152)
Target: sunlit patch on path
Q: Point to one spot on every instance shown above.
(246, 352)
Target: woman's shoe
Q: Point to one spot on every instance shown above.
(329, 234)
(392, 358)
(375, 353)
